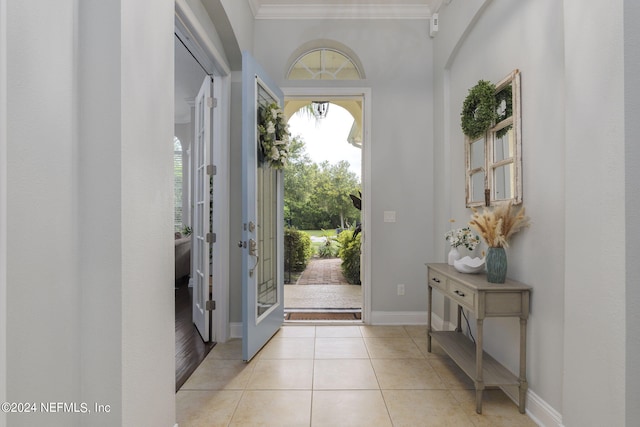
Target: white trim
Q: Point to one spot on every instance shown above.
(235, 330)
(403, 318)
(340, 11)
(540, 411)
(187, 22)
(365, 94)
(410, 318)
(220, 152)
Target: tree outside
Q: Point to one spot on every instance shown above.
(317, 195)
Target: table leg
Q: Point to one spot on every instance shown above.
(429, 308)
(523, 366)
(479, 380)
(459, 328)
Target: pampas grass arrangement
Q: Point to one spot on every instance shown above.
(497, 225)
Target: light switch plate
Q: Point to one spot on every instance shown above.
(389, 216)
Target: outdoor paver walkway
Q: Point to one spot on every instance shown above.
(323, 271)
(322, 286)
(322, 296)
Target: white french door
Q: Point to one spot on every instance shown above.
(201, 184)
(263, 220)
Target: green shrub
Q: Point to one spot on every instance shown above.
(328, 249)
(297, 249)
(349, 253)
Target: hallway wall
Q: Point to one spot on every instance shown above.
(486, 42)
(573, 174)
(632, 202)
(89, 277)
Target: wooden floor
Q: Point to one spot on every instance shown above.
(190, 349)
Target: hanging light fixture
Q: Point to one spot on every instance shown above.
(320, 109)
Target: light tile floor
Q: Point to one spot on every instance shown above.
(338, 376)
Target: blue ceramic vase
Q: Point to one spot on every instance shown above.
(496, 262)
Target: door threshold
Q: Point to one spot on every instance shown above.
(307, 315)
(322, 310)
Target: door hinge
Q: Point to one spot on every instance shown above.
(212, 102)
(211, 237)
(210, 305)
(212, 170)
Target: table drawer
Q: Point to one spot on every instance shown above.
(462, 294)
(437, 280)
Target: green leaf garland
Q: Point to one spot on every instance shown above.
(479, 109)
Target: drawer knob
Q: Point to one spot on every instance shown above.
(458, 293)
(436, 280)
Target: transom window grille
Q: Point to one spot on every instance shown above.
(324, 64)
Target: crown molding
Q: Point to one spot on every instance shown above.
(255, 6)
(342, 11)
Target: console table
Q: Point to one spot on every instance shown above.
(484, 299)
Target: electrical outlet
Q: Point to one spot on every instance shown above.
(400, 289)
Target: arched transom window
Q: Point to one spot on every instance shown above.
(324, 64)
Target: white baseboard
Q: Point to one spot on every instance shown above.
(541, 412)
(235, 330)
(398, 318)
(409, 318)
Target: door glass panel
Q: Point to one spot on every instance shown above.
(267, 199)
(267, 291)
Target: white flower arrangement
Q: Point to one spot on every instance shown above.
(462, 237)
(273, 136)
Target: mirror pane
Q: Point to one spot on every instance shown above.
(477, 187)
(502, 182)
(477, 153)
(504, 103)
(503, 144)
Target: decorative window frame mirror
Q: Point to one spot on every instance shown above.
(494, 160)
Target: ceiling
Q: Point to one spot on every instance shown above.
(189, 75)
(345, 9)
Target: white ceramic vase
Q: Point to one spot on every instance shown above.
(454, 255)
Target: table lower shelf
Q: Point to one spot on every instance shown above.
(463, 351)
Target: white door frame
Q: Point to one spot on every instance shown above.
(365, 93)
(201, 46)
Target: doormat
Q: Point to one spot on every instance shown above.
(323, 316)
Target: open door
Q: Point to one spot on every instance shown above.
(262, 218)
(202, 238)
